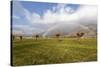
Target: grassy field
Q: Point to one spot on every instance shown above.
(51, 51)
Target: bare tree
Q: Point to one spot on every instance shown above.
(21, 37)
(57, 36)
(80, 34)
(36, 36)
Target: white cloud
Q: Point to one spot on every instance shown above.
(69, 10)
(59, 14)
(20, 10)
(62, 14)
(50, 16)
(86, 13)
(26, 30)
(16, 17)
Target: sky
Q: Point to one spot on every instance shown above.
(32, 18)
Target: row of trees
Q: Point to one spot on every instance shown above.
(79, 35)
(21, 37)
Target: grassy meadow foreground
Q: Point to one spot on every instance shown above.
(52, 51)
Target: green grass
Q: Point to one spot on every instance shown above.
(52, 51)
